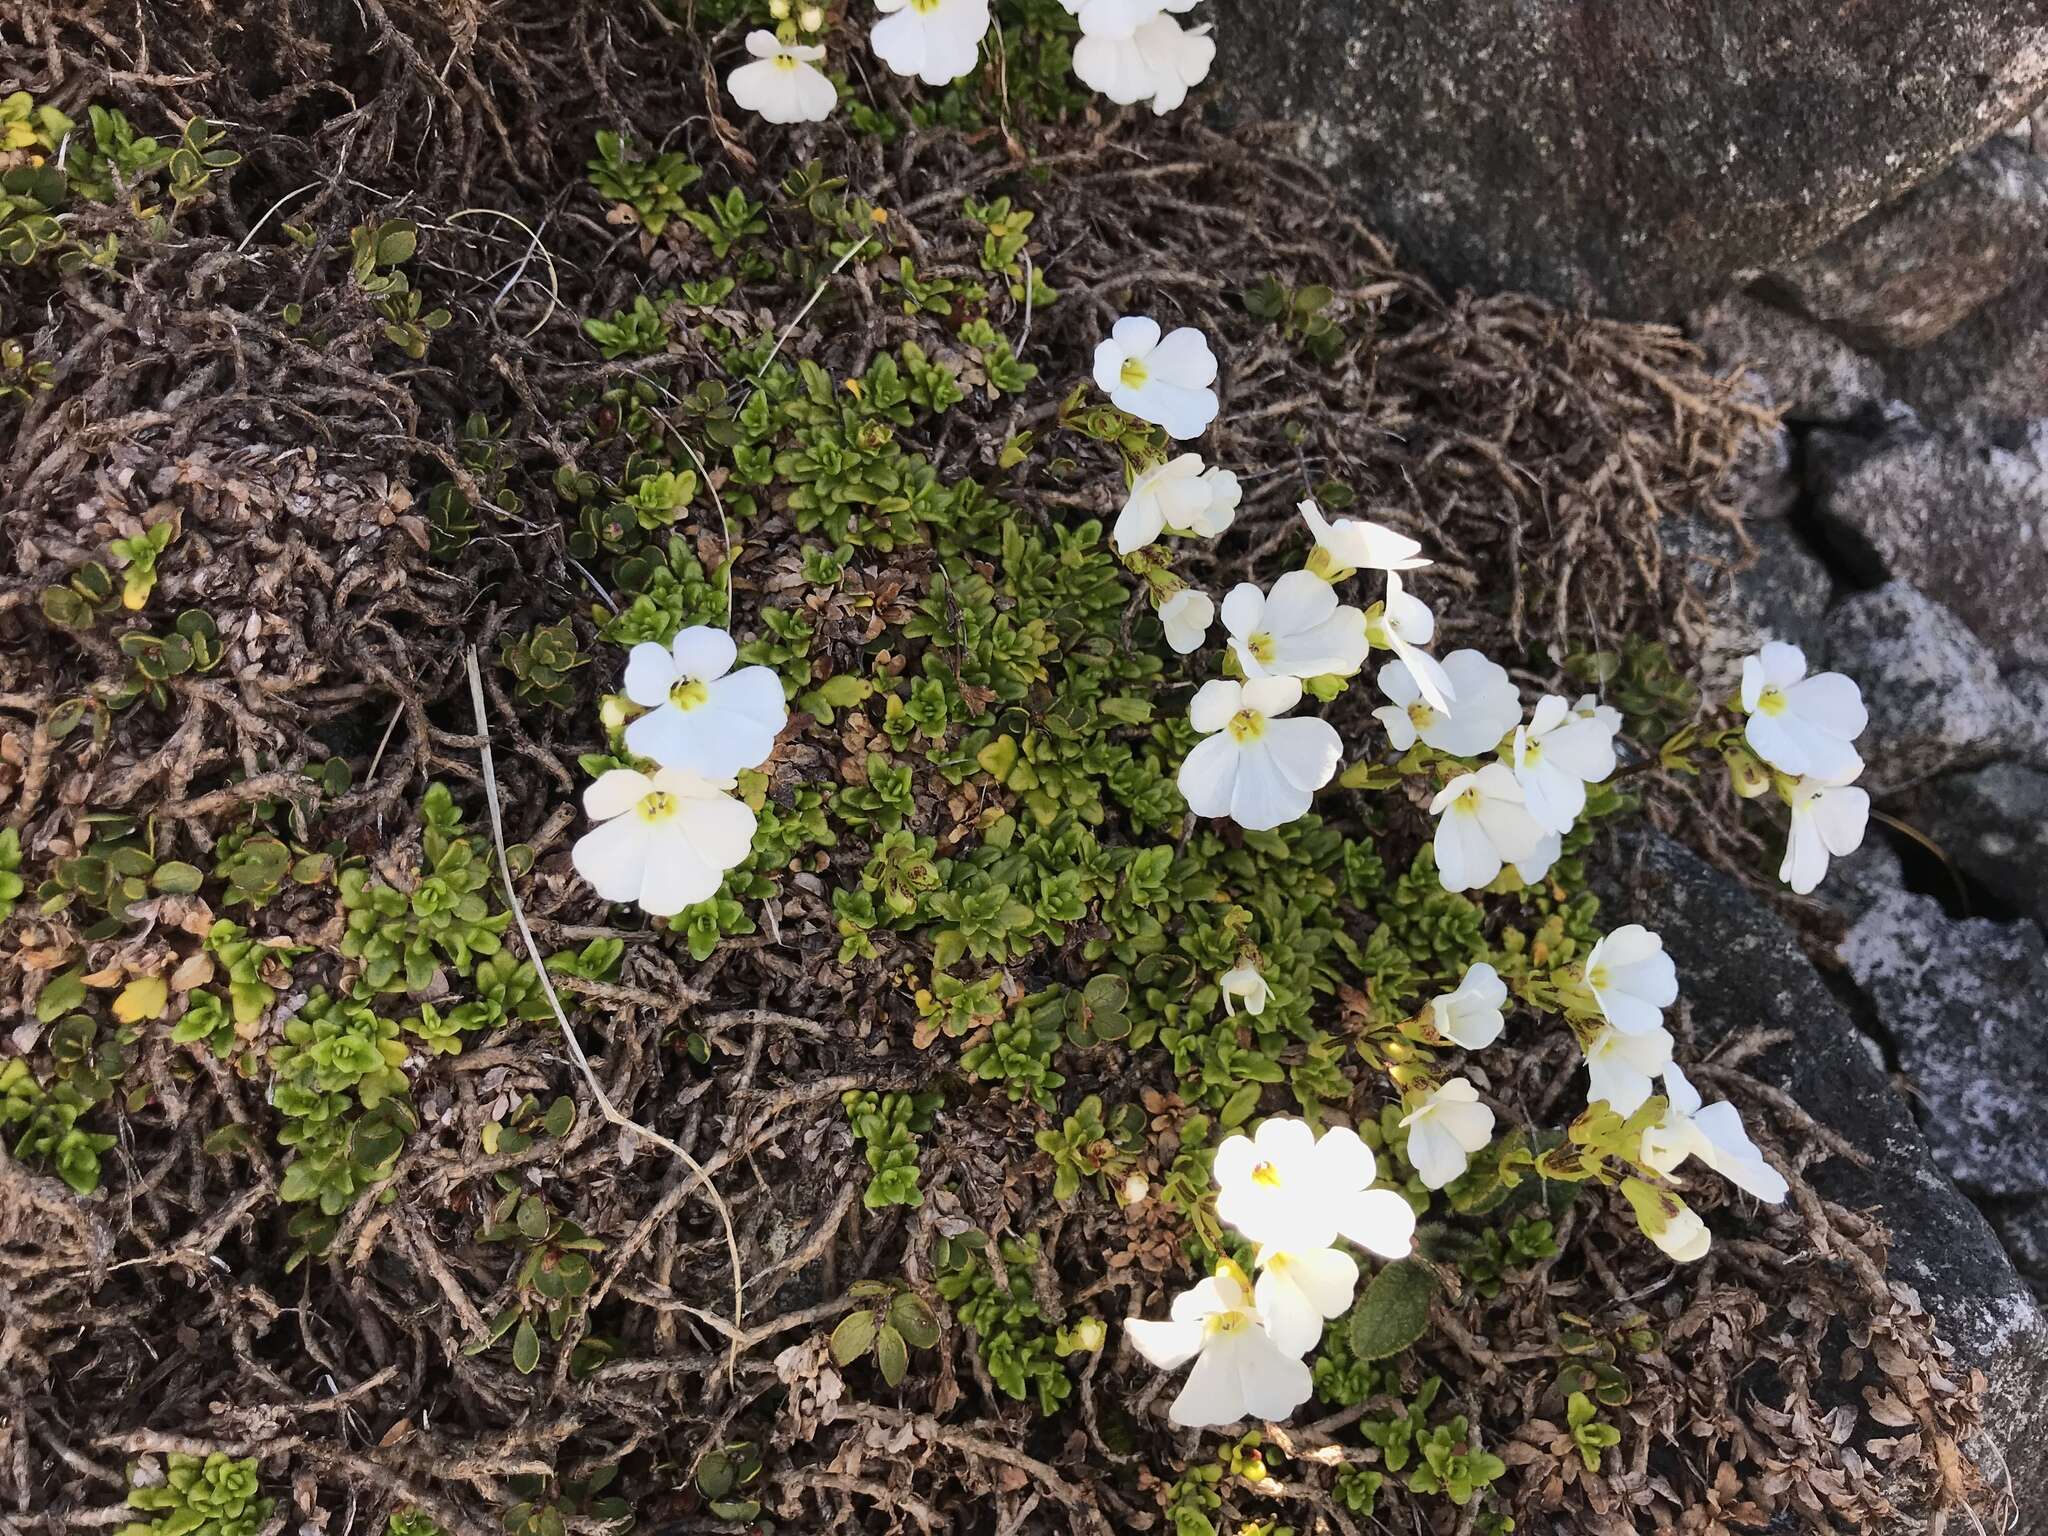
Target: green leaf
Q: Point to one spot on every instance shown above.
(1394, 1311)
(176, 879)
(850, 1340)
(912, 1317)
(891, 1354)
(525, 1348)
(61, 994)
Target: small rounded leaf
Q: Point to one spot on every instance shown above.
(850, 1340)
(1394, 1311)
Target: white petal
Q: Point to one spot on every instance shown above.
(1272, 696)
(650, 673)
(676, 875)
(1341, 1161)
(615, 792)
(1213, 1393)
(1381, 1222)
(1272, 1383)
(1244, 605)
(756, 694)
(1306, 750)
(1184, 413)
(1183, 359)
(1830, 702)
(1167, 1345)
(1466, 859)
(704, 653)
(1783, 664)
(613, 857)
(1208, 777)
(1400, 729)
(1263, 797)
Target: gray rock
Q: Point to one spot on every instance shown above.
(1993, 368)
(1629, 157)
(1935, 698)
(2030, 742)
(1741, 968)
(1994, 824)
(1960, 1000)
(1776, 591)
(1859, 882)
(2022, 1225)
(1811, 375)
(1963, 520)
(1927, 262)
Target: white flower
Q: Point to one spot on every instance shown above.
(1165, 381)
(1350, 544)
(1632, 979)
(1245, 981)
(1136, 54)
(1445, 1130)
(1186, 617)
(1255, 767)
(1668, 1221)
(1556, 755)
(664, 842)
(1239, 1371)
(1299, 630)
(1801, 724)
(702, 718)
(1288, 1189)
(936, 40)
(1619, 1067)
(783, 83)
(1298, 1290)
(1481, 826)
(1179, 495)
(1471, 1016)
(1828, 820)
(1403, 624)
(1713, 1134)
(1484, 706)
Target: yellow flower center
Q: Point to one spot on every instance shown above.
(1134, 374)
(1247, 725)
(785, 61)
(1532, 752)
(1261, 646)
(1596, 978)
(1770, 702)
(1267, 1175)
(689, 693)
(1467, 803)
(925, 7)
(658, 806)
(1421, 715)
(1227, 1322)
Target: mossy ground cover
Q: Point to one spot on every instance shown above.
(487, 328)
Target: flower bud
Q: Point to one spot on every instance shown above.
(811, 18)
(1746, 775)
(1135, 1188)
(611, 713)
(779, 9)
(1668, 1221)
(1089, 1334)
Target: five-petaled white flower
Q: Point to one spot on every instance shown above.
(1484, 706)
(1348, 544)
(1556, 755)
(1180, 496)
(1286, 1188)
(1619, 1067)
(783, 83)
(1481, 826)
(1256, 766)
(1164, 380)
(664, 842)
(1828, 820)
(1444, 1130)
(1239, 1371)
(1186, 617)
(1245, 982)
(1801, 724)
(1403, 624)
(1632, 979)
(1136, 53)
(1298, 1290)
(1471, 1016)
(936, 40)
(1297, 630)
(1715, 1135)
(703, 716)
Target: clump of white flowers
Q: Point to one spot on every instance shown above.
(1803, 726)
(1131, 51)
(666, 840)
(1293, 1196)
